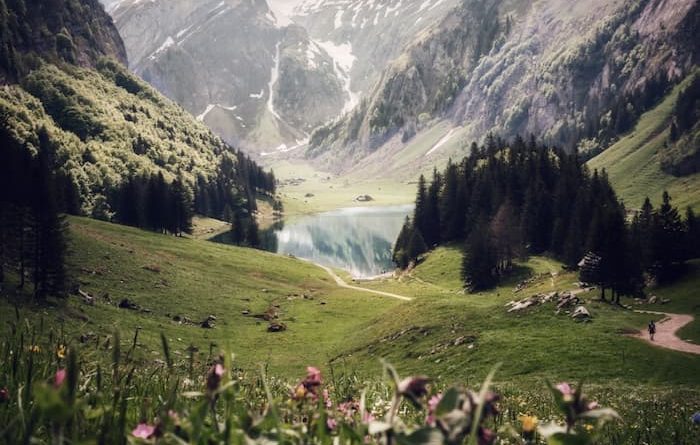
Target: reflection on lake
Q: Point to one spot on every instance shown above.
(357, 239)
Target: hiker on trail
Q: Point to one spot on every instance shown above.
(652, 329)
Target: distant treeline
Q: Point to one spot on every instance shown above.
(150, 202)
(508, 200)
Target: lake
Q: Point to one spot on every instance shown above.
(357, 239)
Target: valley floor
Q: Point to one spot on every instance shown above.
(176, 283)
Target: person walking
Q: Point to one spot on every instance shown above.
(652, 329)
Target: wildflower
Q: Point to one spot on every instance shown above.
(214, 377)
(588, 427)
(696, 418)
(61, 351)
(144, 431)
(299, 392)
(313, 376)
(59, 378)
(413, 388)
(331, 423)
(529, 423)
(432, 406)
(309, 385)
(35, 349)
(4, 395)
(566, 391)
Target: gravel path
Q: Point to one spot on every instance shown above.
(666, 332)
(340, 282)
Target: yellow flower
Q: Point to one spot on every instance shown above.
(588, 427)
(35, 349)
(299, 392)
(529, 423)
(61, 351)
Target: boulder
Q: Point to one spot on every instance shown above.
(276, 327)
(125, 303)
(581, 314)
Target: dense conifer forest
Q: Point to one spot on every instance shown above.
(508, 200)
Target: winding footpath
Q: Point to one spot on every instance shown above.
(666, 332)
(340, 282)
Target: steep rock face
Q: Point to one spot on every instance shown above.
(254, 77)
(75, 32)
(573, 74)
(589, 87)
(373, 32)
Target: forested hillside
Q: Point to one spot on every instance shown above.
(506, 201)
(82, 135)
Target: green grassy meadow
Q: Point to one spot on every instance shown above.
(634, 162)
(452, 337)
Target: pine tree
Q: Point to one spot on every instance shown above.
(237, 230)
(692, 234)
(420, 213)
(181, 208)
(432, 216)
(667, 239)
(416, 245)
(48, 261)
(400, 255)
(252, 235)
(479, 261)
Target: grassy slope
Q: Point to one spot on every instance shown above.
(633, 163)
(198, 278)
(531, 345)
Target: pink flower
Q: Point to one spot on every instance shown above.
(593, 405)
(144, 431)
(214, 377)
(59, 378)
(313, 376)
(565, 389)
(432, 406)
(4, 395)
(367, 418)
(331, 423)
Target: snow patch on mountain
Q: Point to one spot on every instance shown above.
(343, 60)
(166, 44)
(274, 75)
(210, 107)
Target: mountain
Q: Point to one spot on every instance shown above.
(64, 88)
(263, 74)
(78, 33)
(576, 75)
(255, 78)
